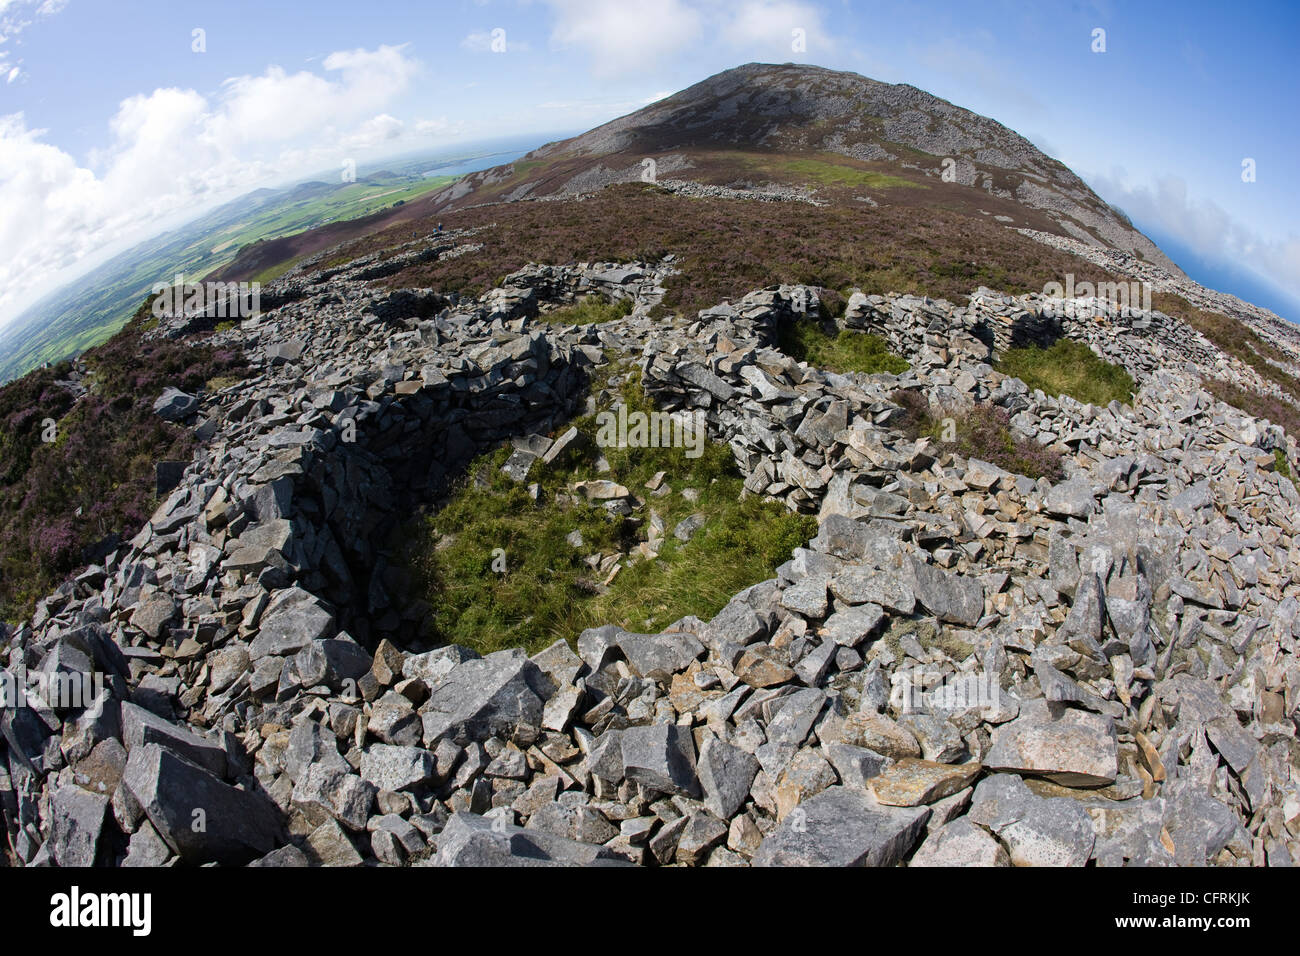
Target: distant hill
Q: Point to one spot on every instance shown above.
(89, 310)
(844, 135)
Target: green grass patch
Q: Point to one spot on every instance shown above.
(1069, 368)
(828, 170)
(848, 351)
(591, 310)
(547, 590)
(1283, 467)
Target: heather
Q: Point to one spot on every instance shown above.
(724, 248)
(1271, 407)
(982, 431)
(95, 483)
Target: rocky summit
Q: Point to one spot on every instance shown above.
(964, 665)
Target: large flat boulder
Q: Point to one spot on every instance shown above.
(200, 817)
(293, 620)
(503, 695)
(842, 827)
(142, 727)
(1075, 748)
(472, 840)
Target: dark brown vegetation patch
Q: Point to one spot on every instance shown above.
(97, 479)
(726, 247)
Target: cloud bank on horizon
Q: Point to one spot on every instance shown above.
(119, 121)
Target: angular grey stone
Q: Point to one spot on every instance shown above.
(1234, 742)
(146, 847)
(855, 765)
(519, 464)
(285, 856)
(281, 352)
(686, 528)
(292, 620)
(227, 666)
(1038, 831)
(559, 662)
(432, 666)
(1088, 612)
(843, 537)
(661, 757)
(960, 843)
(701, 377)
(703, 831)
(584, 824)
(890, 589)
(735, 624)
(659, 656)
(571, 438)
(329, 845)
(201, 818)
(813, 666)
(331, 662)
(173, 405)
(807, 597)
(396, 768)
(1199, 825)
(562, 707)
(605, 759)
(726, 773)
(1071, 747)
(472, 840)
(310, 743)
(789, 728)
(336, 791)
(853, 625)
(1073, 498)
(77, 823)
(950, 597)
(842, 827)
(153, 614)
(142, 727)
(394, 721)
(501, 695)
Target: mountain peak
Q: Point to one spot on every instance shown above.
(847, 137)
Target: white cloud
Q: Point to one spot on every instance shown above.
(769, 25)
(620, 42)
(174, 151)
(374, 132)
(1205, 227)
(15, 17)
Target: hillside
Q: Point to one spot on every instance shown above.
(841, 135)
(577, 520)
(91, 309)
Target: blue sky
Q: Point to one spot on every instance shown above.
(113, 126)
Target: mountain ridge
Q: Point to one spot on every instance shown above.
(807, 109)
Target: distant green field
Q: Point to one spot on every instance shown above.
(342, 202)
(100, 303)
